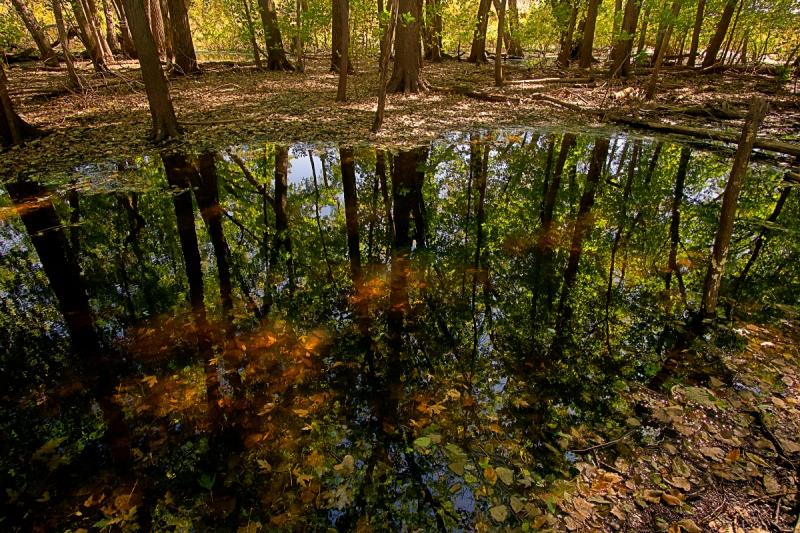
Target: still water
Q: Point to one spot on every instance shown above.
(311, 336)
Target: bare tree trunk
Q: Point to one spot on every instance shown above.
(169, 47)
(621, 53)
(13, 129)
(565, 53)
(514, 45)
(276, 55)
(433, 30)
(659, 59)
(88, 37)
(125, 32)
(732, 32)
(585, 60)
(111, 33)
(46, 53)
(282, 239)
(675, 224)
(185, 56)
(252, 31)
(477, 53)
(406, 75)
(298, 38)
(643, 31)
(498, 52)
(344, 45)
(719, 36)
(698, 27)
(165, 125)
(63, 38)
(337, 39)
(386, 46)
(157, 27)
(730, 199)
(94, 22)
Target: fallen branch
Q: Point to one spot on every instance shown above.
(540, 81)
(478, 95)
(603, 445)
(215, 122)
(563, 103)
(763, 144)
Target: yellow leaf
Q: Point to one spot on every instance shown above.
(505, 475)
(499, 513)
(347, 466)
(733, 455)
(151, 381)
(490, 475)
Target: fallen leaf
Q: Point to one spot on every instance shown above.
(499, 513)
(347, 466)
(505, 475)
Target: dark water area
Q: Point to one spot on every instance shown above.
(312, 336)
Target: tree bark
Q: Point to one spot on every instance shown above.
(13, 129)
(698, 27)
(719, 35)
(621, 53)
(477, 53)
(344, 45)
(88, 37)
(111, 32)
(337, 38)
(63, 38)
(157, 27)
(643, 31)
(251, 30)
(386, 46)
(514, 44)
(730, 199)
(565, 53)
(126, 40)
(659, 59)
(46, 53)
(276, 55)
(587, 44)
(282, 240)
(433, 30)
(407, 72)
(498, 53)
(165, 125)
(185, 56)
(90, 8)
(347, 158)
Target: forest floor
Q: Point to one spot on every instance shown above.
(723, 455)
(230, 104)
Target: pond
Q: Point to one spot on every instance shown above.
(311, 336)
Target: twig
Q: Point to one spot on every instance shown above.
(768, 496)
(603, 445)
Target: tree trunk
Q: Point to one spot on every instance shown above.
(251, 30)
(675, 223)
(406, 75)
(386, 46)
(344, 45)
(126, 39)
(433, 30)
(583, 226)
(206, 190)
(165, 125)
(351, 212)
(46, 53)
(63, 38)
(88, 37)
(337, 38)
(698, 27)
(276, 55)
(157, 27)
(659, 59)
(111, 32)
(169, 47)
(185, 56)
(298, 38)
(587, 44)
(477, 53)
(730, 199)
(643, 32)
(565, 53)
(13, 129)
(90, 8)
(514, 45)
(719, 35)
(282, 240)
(498, 52)
(621, 53)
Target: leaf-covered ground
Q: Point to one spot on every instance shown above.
(230, 104)
(721, 457)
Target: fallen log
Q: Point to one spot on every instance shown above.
(763, 144)
(478, 95)
(562, 103)
(540, 81)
